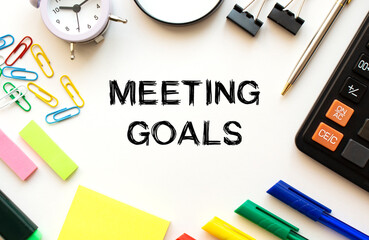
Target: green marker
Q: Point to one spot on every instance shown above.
(35, 236)
(14, 224)
(270, 222)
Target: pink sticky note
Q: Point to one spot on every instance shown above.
(15, 158)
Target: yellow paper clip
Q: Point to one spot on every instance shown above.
(224, 231)
(69, 92)
(36, 57)
(47, 101)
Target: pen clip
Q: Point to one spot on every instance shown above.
(298, 200)
(276, 218)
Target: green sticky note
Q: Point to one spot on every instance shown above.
(47, 149)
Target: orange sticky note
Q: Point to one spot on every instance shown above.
(94, 216)
(339, 113)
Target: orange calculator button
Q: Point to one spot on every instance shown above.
(339, 113)
(327, 136)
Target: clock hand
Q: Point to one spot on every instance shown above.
(78, 21)
(83, 2)
(76, 8)
(64, 7)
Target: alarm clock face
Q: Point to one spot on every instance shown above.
(75, 20)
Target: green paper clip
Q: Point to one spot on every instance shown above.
(270, 222)
(12, 97)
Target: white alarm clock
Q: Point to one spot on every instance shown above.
(76, 21)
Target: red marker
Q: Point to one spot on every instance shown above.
(184, 236)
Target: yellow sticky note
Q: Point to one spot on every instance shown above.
(94, 216)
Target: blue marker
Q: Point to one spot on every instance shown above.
(313, 210)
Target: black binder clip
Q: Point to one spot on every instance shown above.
(246, 20)
(286, 18)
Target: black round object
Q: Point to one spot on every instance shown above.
(178, 12)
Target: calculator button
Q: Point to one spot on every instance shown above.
(339, 113)
(364, 130)
(327, 136)
(356, 153)
(353, 90)
(362, 66)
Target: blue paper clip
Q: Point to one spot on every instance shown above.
(54, 114)
(15, 69)
(4, 45)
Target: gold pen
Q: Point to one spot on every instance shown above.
(314, 43)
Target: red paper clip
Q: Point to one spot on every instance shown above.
(22, 43)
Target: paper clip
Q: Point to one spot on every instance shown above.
(4, 45)
(12, 92)
(54, 114)
(23, 70)
(47, 101)
(2, 61)
(36, 57)
(26, 47)
(12, 97)
(286, 18)
(246, 20)
(69, 92)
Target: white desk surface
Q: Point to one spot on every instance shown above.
(185, 184)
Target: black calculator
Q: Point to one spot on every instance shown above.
(336, 131)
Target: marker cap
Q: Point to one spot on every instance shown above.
(224, 231)
(266, 219)
(184, 236)
(298, 200)
(14, 224)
